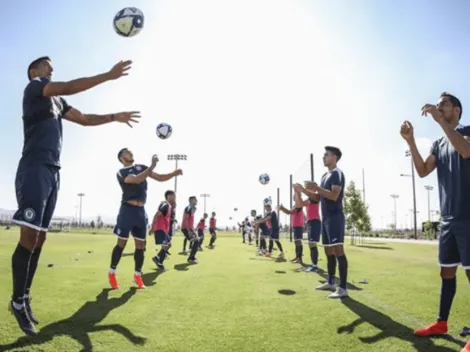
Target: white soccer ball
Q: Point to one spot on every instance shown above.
(128, 22)
(268, 201)
(164, 130)
(264, 179)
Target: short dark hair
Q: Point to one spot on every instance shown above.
(336, 151)
(192, 197)
(36, 63)
(169, 193)
(122, 151)
(454, 101)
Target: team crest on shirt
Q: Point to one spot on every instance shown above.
(138, 168)
(29, 214)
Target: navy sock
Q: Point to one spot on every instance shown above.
(331, 269)
(262, 243)
(279, 246)
(201, 241)
(33, 265)
(19, 266)
(185, 242)
(194, 248)
(343, 271)
(296, 251)
(212, 241)
(301, 251)
(314, 255)
(448, 289)
(138, 260)
(161, 255)
(116, 256)
(271, 245)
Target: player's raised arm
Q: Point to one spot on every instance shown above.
(143, 175)
(166, 177)
(77, 85)
(76, 116)
(423, 167)
(285, 210)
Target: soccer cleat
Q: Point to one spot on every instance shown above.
(311, 269)
(192, 261)
(23, 320)
(157, 263)
(466, 348)
(339, 293)
(27, 305)
(138, 281)
(281, 255)
(435, 329)
(113, 281)
(267, 255)
(326, 287)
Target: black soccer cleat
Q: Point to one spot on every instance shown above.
(23, 320)
(32, 318)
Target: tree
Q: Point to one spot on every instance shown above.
(356, 212)
(99, 222)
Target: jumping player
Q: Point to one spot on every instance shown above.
(132, 218)
(212, 230)
(161, 226)
(272, 218)
(201, 226)
(451, 156)
(37, 176)
(331, 192)
(187, 227)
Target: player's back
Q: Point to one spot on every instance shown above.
(42, 124)
(132, 191)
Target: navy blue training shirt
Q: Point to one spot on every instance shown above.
(42, 124)
(274, 220)
(453, 177)
(332, 178)
(132, 191)
(163, 208)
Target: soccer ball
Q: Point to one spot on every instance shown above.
(128, 22)
(164, 130)
(264, 179)
(268, 201)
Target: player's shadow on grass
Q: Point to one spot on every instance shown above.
(83, 322)
(389, 328)
(373, 247)
(182, 266)
(150, 278)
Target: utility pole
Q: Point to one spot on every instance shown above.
(80, 195)
(176, 158)
(395, 197)
(205, 195)
(429, 189)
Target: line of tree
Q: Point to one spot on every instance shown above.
(356, 212)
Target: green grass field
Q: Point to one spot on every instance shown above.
(232, 301)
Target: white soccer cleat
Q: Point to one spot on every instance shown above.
(339, 293)
(326, 287)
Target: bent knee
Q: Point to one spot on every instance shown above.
(449, 273)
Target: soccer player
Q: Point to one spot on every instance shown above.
(241, 228)
(331, 192)
(37, 176)
(200, 230)
(187, 227)
(161, 227)
(313, 227)
(132, 218)
(272, 218)
(256, 227)
(212, 230)
(248, 229)
(297, 218)
(450, 155)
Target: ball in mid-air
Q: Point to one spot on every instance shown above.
(164, 130)
(268, 201)
(128, 22)
(264, 179)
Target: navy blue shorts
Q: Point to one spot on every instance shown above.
(333, 227)
(187, 234)
(162, 238)
(200, 233)
(454, 244)
(298, 233)
(36, 188)
(273, 234)
(314, 231)
(212, 232)
(131, 220)
(265, 232)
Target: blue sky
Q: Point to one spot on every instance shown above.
(250, 86)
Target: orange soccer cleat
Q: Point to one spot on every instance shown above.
(435, 329)
(113, 281)
(138, 280)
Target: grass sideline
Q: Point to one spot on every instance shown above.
(232, 301)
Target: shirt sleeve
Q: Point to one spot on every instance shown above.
(65, 106)
(435, 148)
(163, 208)
(335, 179)
(465, 131)
(35, 88)
(121, 175)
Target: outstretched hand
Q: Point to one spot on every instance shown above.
(127, 117)
(119, 70)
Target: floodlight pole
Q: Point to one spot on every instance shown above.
(80, 195)
(176, 158)
(205, 195)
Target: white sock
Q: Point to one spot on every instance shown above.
(18, 306)
(112, 271)
(138, 273)
(26, 296)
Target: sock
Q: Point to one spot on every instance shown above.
(279, 246)
(33, 265)
(257, 242)
(262, 244)
(185, 242)
(296, 251)
(211, 241)
(249, 238)
(201, 241)
(448, 289)
(116, 256)
(191, 243)
(243, 236)
(194, 248)
(138, 260)
(271, 245)
(19, 267)
(343, 271)
(301, 251)
(331, 269)
(161, 255)
(314, 255)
